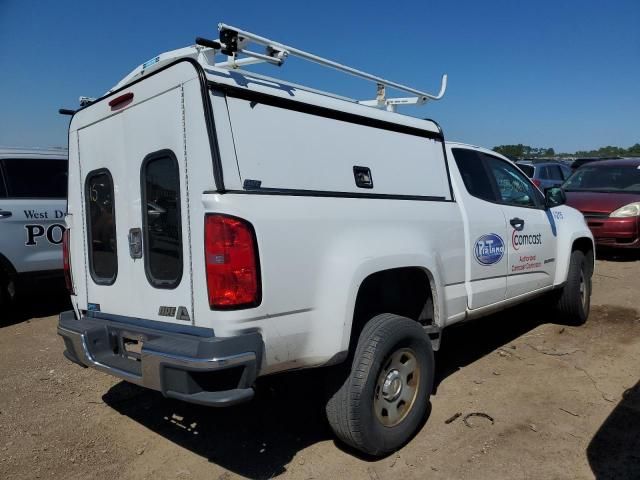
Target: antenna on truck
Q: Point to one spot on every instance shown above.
(234, 41)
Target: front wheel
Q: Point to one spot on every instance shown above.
(575, 298)
(384, 399)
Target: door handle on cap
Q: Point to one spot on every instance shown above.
(517, 223)
(135, 243)
(5, 214)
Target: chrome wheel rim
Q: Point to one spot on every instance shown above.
(397, 387)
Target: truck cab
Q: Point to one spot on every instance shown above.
(519, 241)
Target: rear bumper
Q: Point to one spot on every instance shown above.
(615, 232)
(206, 370)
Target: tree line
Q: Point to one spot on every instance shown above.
(526, 151)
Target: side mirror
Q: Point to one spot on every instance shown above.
(554, 196)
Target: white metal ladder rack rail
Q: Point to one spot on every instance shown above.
(234, 41)
(276, 53)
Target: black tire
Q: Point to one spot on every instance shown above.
(356, 410)
(574, 301)
(5, 299)
(4, 296)
(7, 294)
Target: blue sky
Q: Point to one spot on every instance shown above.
(561, 74)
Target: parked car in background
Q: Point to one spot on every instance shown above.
(579, 162)
(608, 195)
(545, 174)
(33, 202)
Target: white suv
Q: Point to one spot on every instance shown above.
(33, 202)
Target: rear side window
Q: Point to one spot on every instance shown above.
(545, 173)
(35, 178)
(529, 170)
(101, 223)
(3, 186)
(554, 173)
(161, 219)
(474, 175)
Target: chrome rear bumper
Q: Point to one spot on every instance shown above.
(200, 369)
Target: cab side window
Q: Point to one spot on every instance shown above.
(513, 187)
(474, 174)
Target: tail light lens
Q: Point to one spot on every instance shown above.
(231, 255)
(536, 182)
(66, 262)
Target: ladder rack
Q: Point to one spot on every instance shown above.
(234, 42)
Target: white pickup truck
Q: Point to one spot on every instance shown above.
(223, 225)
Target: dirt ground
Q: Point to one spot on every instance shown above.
(565, 403)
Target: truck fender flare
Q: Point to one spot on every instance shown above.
(372, 266)
(563, 262)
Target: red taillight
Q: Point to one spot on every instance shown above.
(536, 182)
(231, 256)
(66, 262)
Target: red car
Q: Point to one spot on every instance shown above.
(608, 195)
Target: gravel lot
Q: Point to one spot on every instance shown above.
(565, 401)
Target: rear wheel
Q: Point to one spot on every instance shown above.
(7, 294)
(384, 398)
(575, 298)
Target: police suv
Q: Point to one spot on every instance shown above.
(33, 203)
(224, 225)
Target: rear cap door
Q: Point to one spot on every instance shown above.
(135, 199)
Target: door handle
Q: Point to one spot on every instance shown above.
(5, 214)
(135, 243)
(517, 223)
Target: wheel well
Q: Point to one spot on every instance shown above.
(585, 245)
(6, 268)
(404, 291)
